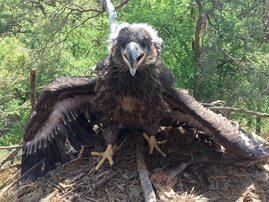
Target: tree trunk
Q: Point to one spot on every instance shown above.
(198, 47)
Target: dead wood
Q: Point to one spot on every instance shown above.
(101, 182)
(149, 194)
(33, 89)
(11, 147)
(226, 181)
(17, 165)
(220, 105)
(10, 155)
(246, 111)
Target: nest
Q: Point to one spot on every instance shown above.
(200, 181)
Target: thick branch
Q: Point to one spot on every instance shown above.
(197, 38)
(149, 194)
(112, 15)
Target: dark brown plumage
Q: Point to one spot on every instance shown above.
(129, 92)
(133, 89)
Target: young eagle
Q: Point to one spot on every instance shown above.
(133, 89)
(129, 90)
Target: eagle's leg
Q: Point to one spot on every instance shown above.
(80, 156)
(153, 143)
(110, 134)
(106, 155)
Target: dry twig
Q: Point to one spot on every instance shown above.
(246, 111)
(219, 105)
(10, 155)
(11, 147)
(18, 165)
(101, 182)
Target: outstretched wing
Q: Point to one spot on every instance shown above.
(235, 140)
(61, 114)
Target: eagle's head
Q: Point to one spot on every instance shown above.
(135, 46)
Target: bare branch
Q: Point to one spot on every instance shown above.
(63, 22)
(10, 155)
(33, 89)
(149, 194)
(121, 4)
(83, 10)
(112, 15)
(201, 27)
(246, 111)
(18, 165)
(243, 66)
(11, 147)
(101, 182)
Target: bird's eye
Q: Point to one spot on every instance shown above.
(144, 43)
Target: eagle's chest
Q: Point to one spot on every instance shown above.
(130, 111)
(130, 105)
(129, 100)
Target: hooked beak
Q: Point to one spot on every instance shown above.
(133, 56)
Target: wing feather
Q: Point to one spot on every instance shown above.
(235, 140)
(61, 114)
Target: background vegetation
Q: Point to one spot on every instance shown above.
(218, 50)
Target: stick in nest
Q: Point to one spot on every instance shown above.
(101, 182)
(148, 192)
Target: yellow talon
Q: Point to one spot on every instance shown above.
(153, 143)
(106, 155)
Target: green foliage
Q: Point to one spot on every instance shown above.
(61, 38)
(14, 60)
(236, 58)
